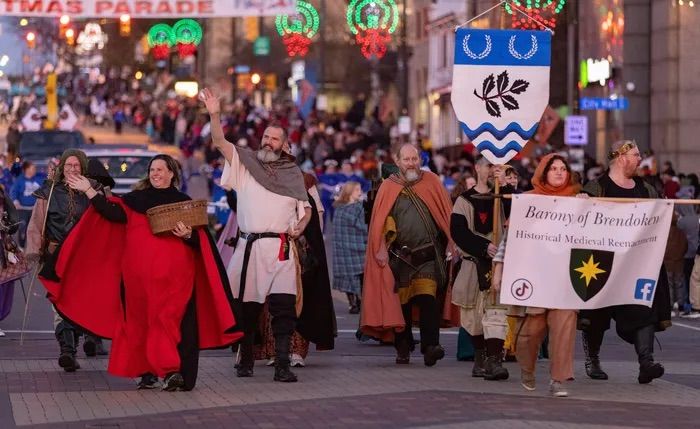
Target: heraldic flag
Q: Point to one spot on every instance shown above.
(500, 87)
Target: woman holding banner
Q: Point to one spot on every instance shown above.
(552, 177)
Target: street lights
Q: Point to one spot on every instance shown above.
(31, 40)
(125, 25)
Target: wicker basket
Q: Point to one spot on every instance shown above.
(192, 213)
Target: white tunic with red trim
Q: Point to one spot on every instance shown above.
(259, 210)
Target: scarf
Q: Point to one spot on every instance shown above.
(282, 177)
(541, 187)
(144, 199)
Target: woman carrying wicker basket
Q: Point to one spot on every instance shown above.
(163, 297)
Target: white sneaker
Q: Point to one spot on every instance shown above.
(557, 389)
(271, 362)
(297, 361)
(2, 333)
(674, 313)
(693, 315)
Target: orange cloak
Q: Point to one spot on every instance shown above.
(381, 307)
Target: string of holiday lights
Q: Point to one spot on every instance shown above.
(160, 39)
(188, 34)
(298, 30)
(544, 11)
(372, 22)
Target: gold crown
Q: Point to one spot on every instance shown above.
(628, 146)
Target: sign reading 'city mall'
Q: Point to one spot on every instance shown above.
(147, 8)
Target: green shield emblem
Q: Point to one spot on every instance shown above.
(589, 271)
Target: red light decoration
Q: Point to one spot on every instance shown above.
(372, 22)
(161, 52)
(373, 42)
(297, 44)
(544, 11)
(298, 30)
(184, 50)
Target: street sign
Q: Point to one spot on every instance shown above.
(404, 125)
(594, 103)
(261, 46)
(576, 130)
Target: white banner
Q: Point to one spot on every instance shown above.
(575, 253)
(147, 8)
(500, 87)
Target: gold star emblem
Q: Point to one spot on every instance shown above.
(589, 270)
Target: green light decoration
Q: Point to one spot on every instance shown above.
(187, 31)
(544, 11)
(363, 15)
(372, 22)
(536, 4)
(161, 34)
(306, 21)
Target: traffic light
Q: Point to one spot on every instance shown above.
(31, 40)
(70, 36)
(64, 21)
(124, 25)
(251, 29)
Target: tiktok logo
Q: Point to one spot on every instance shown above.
(521, 289)
(644, 290)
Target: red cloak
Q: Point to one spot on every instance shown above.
(161, 274)
(381, 307)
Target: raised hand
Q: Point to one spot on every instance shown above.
(79, 183)
(211, 101)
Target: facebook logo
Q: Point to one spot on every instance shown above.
(644, 290)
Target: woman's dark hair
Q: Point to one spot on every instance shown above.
(543, 179)
(172, 166)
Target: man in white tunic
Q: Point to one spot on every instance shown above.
(272, 210)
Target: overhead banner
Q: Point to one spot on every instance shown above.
(147, 8)
(576, 253)
(500, 88)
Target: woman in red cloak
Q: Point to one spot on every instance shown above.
(162, 297)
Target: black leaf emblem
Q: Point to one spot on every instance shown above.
(493, 109)
(488, 86)
(509, 102)
(502, 82)
(519, 86)
(502, 92)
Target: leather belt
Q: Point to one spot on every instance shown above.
(250, 238)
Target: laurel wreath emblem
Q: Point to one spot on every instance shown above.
(485, 53)
(516, 54)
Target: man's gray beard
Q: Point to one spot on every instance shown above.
(411, 175)
(267, 156)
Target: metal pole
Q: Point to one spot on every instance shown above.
(403, 62)
(572, 57)
(322, 52)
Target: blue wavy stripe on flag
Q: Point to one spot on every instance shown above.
(513, 127)
(499, 152)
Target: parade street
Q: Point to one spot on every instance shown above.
(356, 385)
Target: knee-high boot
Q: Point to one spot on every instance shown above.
(251, 312)
(644, 346)
(591, 347)
(494, 360)
(283, 313)
(67, 340)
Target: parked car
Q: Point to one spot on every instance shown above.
(126, 164)
(40, 146)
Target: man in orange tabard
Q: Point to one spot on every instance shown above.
(405, 265)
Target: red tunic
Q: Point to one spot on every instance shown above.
(160, 274)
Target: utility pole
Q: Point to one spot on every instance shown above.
(572, 57)
(403, 62)
(322, 51)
